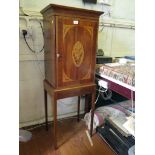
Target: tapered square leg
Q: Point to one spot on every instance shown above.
(92, 113)
(78, 111)
(54, 107)
(87, 103)
(46, 109)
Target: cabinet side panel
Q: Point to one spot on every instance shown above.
(95, 40)
(50, 57)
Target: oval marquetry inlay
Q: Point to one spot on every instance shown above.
(78, 53)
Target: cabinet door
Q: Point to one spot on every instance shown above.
(76, 50)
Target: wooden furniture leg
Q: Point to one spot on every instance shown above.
(54, 103)
(92, 113)
(78, 111)
(86, 103)
(46, 109)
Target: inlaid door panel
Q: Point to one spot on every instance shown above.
(75, 50)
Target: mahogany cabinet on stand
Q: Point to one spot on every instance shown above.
(70, 36)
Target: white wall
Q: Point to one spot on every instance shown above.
(114, 42)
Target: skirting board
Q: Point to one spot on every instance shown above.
(42, 120)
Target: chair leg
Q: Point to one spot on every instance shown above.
(46, 109)
(78, 111)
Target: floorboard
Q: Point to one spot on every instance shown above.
(72, 140)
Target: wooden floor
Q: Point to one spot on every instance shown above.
(72, 141)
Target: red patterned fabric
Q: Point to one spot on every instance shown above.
(122, 72)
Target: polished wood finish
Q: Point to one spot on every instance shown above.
(63, 93)
(59, 10)
(79, 49)
(70, 36)
(78, 113)
(69, 91)
(73, 142)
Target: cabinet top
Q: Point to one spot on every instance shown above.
(54, 9)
